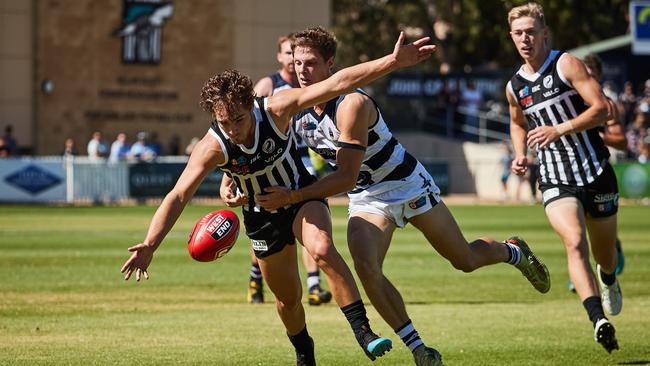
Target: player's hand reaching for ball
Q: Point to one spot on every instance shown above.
(138, 262)
(230, 196)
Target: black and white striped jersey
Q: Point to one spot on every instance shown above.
(273, 160)
(386, 162)
(547, 98)
(280, 84)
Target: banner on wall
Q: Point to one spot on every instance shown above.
(29, 180)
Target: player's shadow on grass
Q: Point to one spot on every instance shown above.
(634, 363)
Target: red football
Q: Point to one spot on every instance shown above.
(213, 235)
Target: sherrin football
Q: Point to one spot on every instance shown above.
(213, 235)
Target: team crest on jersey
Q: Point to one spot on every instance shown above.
(548, 81)
(523, 91)
(308, 125)
(268, 146)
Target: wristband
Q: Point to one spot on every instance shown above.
(564, 128)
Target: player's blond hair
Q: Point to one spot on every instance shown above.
(533, 10)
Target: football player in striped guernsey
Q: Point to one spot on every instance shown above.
(284, 78)
(556, 109)
(387, 188)
(252, 141)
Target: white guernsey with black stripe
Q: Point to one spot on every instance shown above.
(547, 98)
(386, 162)
(273, 160)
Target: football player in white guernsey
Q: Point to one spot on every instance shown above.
(555, 108)
(284, 78)
(229, 97)
(387, 188)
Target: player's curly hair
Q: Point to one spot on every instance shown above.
(317, 38)
(532, 10)
(230, 89)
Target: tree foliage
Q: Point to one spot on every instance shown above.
(478, 30)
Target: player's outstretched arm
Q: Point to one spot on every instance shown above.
(289, 102)
(205, 157)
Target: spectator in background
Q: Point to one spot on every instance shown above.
(69, 148)
(4, 149)
(471, 99)
(119, 149)
(153, 144)
(140, 151)
(97, 148)
(610, 91)
(175, 145)
(635, 133)
(10, 141)
(506, 162)
(629, 102)
(644, 151)
(190, 146)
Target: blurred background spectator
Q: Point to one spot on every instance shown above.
(69, 148)
(628, 101)
(140, 150)
(191, 145)
(175, 145)
(119, 149)
(10, 141)
(4, 149)
(97, 148)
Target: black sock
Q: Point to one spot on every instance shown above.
(594, 308)
(301, 341)
(355, 313)
(608, 279)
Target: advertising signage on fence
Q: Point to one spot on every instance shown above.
(640, 27)
(28, 180)
(156, 180)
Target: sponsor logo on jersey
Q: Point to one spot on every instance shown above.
(605, 197)
(549, 93)
(268, 146)
(259, 245)
(308, 125)
(275, 156)
(415, 204)
(523, 91)
(536, 88)
(548, 81)
(526, 102)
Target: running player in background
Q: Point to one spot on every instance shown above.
(387, 189)
(556, 109)
(252, 141)
(284, 78)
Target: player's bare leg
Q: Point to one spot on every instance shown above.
(313, 228)
(280, 270)
(317, 295)
(369, 238)
(567, 218)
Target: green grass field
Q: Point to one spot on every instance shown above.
(63, 300)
